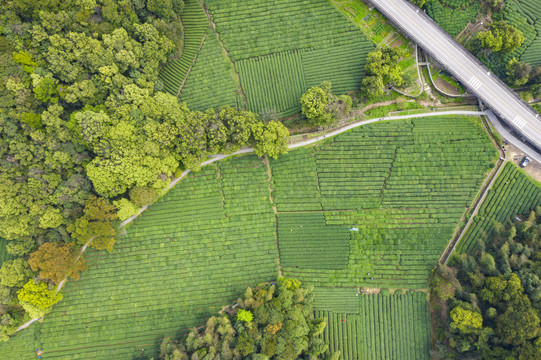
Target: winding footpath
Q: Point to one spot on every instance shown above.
(323, 135)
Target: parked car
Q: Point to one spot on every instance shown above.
(525, 162)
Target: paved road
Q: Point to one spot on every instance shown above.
(353, 125)
(511, 138)
(464, 66)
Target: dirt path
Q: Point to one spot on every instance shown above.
(191, 65)
(322, 135)
(274, 209)
(479, 199)
(235, 75)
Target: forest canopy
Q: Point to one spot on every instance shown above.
(270, 321)
(88, 135)
(489, 304)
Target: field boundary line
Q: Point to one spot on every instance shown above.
(479, 198)
(191, 65)
(274, 209)
(235, 75)
(323, 135)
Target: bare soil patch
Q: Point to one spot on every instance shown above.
(516, 155)
(445, 86)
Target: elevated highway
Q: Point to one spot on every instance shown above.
(465, 67)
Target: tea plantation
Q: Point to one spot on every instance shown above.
(351, 211)
(262, 56)
(380, 326)
(513, 194)
(385, 200)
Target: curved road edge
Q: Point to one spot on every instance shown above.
(290, 146)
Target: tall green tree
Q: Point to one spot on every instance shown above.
(38, 298)
(382, 69)
(501, 37)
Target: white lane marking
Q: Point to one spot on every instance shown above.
(475, 83)
(443, 49)
(519, 122)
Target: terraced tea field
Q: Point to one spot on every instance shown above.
(379, 327)
(195, 23)
(453, 16)
(531, 10)
(212, 73)
(279, 50)
(396, 190)
(513, 194)
(189, 254)
(373, 207)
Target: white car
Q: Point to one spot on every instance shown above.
(525, 162)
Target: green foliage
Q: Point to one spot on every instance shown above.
(314, 104)
(125, 208)
(321, 107)
(421, 3)
(466, 321)
(96, 224)
(270, 139)
(15, 273)
(165, 8)
(501, 37)
(244, 315)
(273, 322)
(38, 299)
(496, 306)
(517, 72)
(513, 194)
(536, 90)
(141, 196)
(46, 91)
(24, 58)
(382, 68)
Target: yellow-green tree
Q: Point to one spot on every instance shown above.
(466, 321)
(37, 298)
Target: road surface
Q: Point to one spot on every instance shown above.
(464, 66)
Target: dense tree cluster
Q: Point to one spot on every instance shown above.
(490, 303)
(520, 73)
(500, 37)
(382, 69)
(87, 135)
(270, 321)
(322, 108)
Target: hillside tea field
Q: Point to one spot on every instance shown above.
(513, 194)
(212, 73)
(526, 15)
(277, 49)
(379, 327)
(373, 207)
(188, 255)
(396, 189)
(195, 24)
(453, 15)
